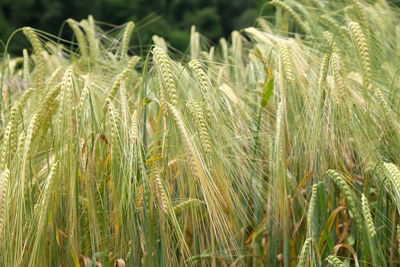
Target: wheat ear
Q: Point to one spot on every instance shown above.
(82, 100)
(25, 69)
(161, 195)
(387, 110)
(5, 152)
(393, 174)
(368, 216)
(80, 37)
(47, 194)
(311, 208)
(187, 204)
(133, 61)
(303, 25)
(189, 147)
(66, 109)
(163, 64)
(201, 125)
(4, 177)
(363, 50)
(340, 182)
(89, 27)
(114, 120)
(323, 70)
(304, 253)
(134, 127)
(334, 261)
(360, 13)
(285, 59)
(205, 83)
(39, 59)
(126, 38)
(334, 26)
(340, 90)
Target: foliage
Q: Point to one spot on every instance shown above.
(169, 19)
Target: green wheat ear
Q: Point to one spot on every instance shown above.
(335, 261)
(186, 205)
(363, 50)
(286, 62)
(311, 209)
(345, 189)
(303, 25)
(80, 36)
(164, 70)
(368, 216)
(4, 180)
(39, 59)
(304, 252)
(126, 38)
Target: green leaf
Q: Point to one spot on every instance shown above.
(268, 89)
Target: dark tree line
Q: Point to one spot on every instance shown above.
(167, 18)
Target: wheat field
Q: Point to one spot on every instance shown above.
(278, 146)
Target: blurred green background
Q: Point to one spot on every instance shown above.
(170, 19)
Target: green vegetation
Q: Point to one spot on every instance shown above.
(277, 147)
(169, 19)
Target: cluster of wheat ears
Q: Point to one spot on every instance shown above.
(277, 147)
